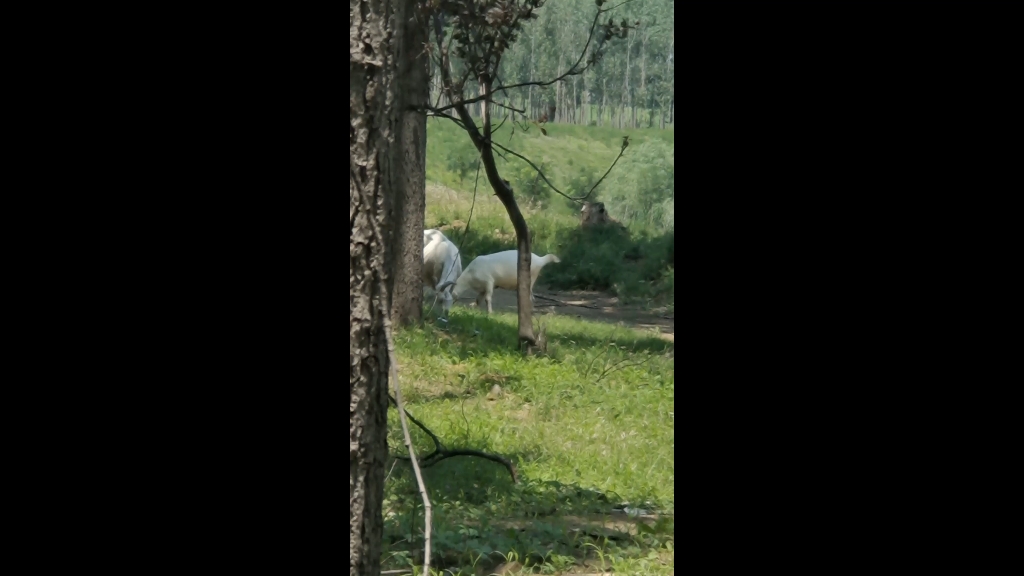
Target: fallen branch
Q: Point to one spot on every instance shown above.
(441, 452)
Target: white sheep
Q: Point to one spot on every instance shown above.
(498, 270)
(441, 263)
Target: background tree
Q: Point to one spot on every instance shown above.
(372, 125)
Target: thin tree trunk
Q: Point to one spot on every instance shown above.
(575, 107)
(604, 102)
(644, 37)
(626, 99)
(373, 121)
(671, 82)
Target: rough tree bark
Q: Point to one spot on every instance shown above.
(372, 121)
(409, 182)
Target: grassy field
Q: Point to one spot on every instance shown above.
(565, 150)
(589, 426)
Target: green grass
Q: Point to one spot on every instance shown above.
(566, 149)
(589, 426)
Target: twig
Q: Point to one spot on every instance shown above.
(528, 161)
(621, 152)
(437, 442)
(449, 453)
(382, 300)
(612, 368)
(443, 453)
(443, 115)
(577, 199)
(508, 107)
(594, 359)
(498, 126)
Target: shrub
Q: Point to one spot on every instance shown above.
(462, 159)
(529, 187)
(640, 191)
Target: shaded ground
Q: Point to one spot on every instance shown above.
(588, 305)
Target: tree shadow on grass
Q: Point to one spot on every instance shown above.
(480, 516)
(481, 334)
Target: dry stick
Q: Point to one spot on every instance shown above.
(382, 300)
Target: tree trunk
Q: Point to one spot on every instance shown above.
(523, 241)
(373, 120)
(585, 103)
(644, 36)
(504, 193)
(574, 118)
(533, 112)
(559, 93)
(625, 101)
(671, 82)
(483, 104)
(409, 185)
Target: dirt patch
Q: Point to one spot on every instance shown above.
(588, 305)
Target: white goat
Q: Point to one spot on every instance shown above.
(498, 270)
(441, 263)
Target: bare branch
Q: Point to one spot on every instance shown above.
(442, 453)
(613, 368)
(469, 452)
(508, 107)
(452, 118)
(528, 161)
(577, 199)
(496, 128)
(621, 152)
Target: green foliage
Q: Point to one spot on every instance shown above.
(633, 266)
(462, 159)
(590, 427)
(580, 185)
(527, 183)
(640, 190)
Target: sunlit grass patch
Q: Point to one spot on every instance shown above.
(589, 427)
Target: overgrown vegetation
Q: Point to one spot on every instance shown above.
(589, 427)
